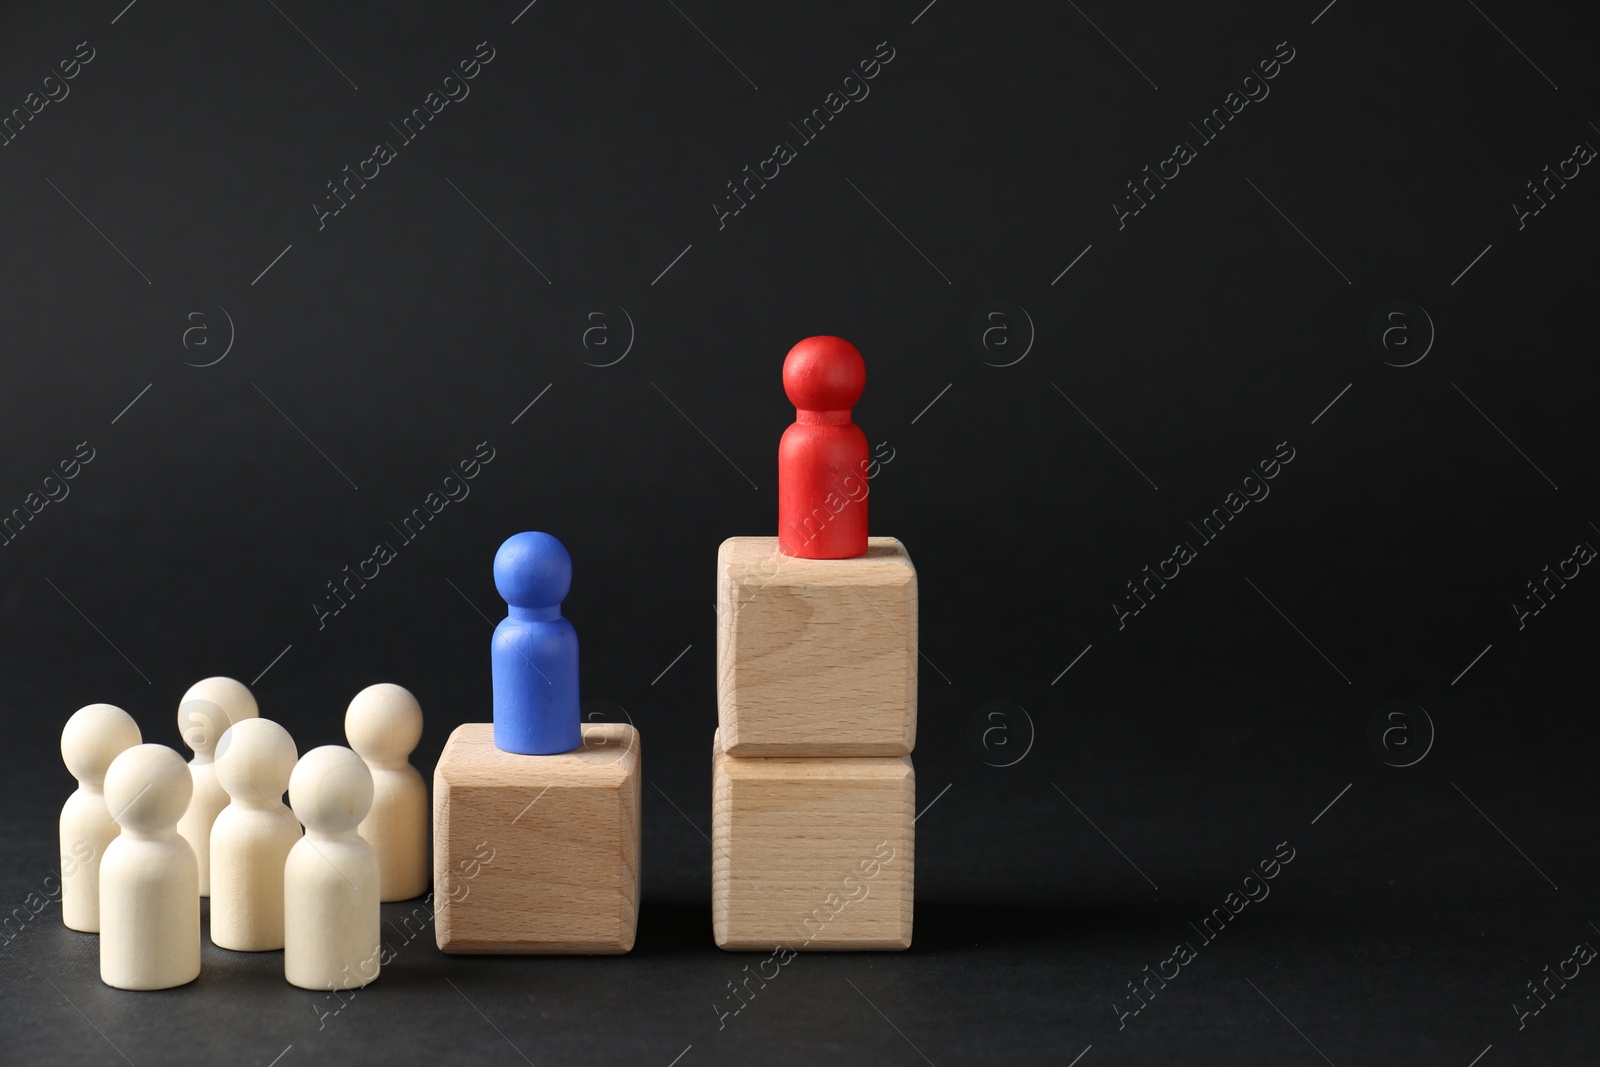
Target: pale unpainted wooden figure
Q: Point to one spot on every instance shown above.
(149, 879)
(93, 737)
(207, 710)
(383, 724)
(252, 836)
(330, 882)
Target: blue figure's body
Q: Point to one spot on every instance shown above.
(534, 653)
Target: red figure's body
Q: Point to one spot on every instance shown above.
(823, 459)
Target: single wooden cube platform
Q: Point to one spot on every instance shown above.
(816, 657)
(537, 854)
(812, 854)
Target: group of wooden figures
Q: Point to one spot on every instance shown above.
(145, 836)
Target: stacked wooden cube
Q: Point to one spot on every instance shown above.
(814, 794)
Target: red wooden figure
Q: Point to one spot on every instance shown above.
(823, 458)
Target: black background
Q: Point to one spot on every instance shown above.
(1223, 719)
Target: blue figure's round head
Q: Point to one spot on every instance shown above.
(533, 570)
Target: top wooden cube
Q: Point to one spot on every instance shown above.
(816, 657)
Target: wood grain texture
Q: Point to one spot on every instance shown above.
(812, 854)
(537, 854)
(816, 657)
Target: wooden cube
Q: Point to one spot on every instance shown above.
(537, 854)
(812, 854)
(816, 657)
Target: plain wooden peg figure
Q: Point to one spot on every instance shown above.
(204, 715)
(383, 724)
(92, 738)
(149, 880)
(330, 883)
(251, 839)
(822, 457)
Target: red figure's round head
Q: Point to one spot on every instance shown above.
(824, 374)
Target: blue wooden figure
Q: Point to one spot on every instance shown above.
(534, 653)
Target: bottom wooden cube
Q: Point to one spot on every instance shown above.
(537, 854)
(811, 853)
